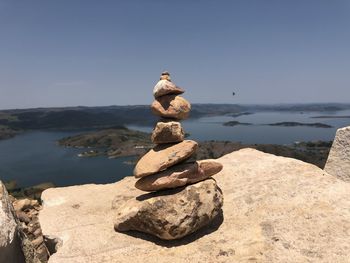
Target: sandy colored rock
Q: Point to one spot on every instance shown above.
(179, 175)
(164, 156)
(171, 106)
(166, 87)
(23, 204)
(168, 132)
(276, 209)
(171, 214)
(338, 162)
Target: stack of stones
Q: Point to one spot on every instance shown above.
(163, 166)
(196, 201)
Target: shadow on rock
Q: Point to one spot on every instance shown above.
(160, 193)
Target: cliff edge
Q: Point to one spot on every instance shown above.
(276, 209)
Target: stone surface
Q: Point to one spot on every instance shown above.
(171, 214)
(275, 209)
(10, 241)
(338, 162)
(23, 204)
(179, 175)
(166, 87)
(171, 106)
(164, 156)
(168, 132)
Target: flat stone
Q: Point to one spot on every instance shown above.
(171, 106)
(168, 132)
(338, 162)
(166, 87)
(164, 156)
(179, 175)
(171, 214)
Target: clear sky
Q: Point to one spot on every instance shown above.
(82, 52)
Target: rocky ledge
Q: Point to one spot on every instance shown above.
(276, 209)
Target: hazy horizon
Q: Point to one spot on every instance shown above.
(196, 103)
(70, 53)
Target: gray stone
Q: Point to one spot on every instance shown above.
(10, 242)
(170, 214)
(168, 132)
(338, 162)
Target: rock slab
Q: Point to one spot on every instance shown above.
(10, 241)
(168, 132)
(164, 156)
(338, 162)
(179, 175)
(171, 106)
(276, 209)
(171, 214)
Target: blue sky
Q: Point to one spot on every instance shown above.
(68, 53)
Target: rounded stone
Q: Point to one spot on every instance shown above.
(171, 106)
(172, 214)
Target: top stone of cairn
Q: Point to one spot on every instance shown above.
(165, 86)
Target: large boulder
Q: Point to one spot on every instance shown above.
(164, 156)
(166, 87)
(338, 162)
(171, 106)
(276, 209)
(171, 214)
(179, 175)
(168, 132)
(10, 240)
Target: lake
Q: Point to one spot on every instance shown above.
(211, 128)
(34, 157)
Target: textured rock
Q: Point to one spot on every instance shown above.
(179, 175)
(171, 106)
(168, 132)
(172, 214)
(23, 204)
(275, 209)
(338, 162)
(10, 242)
(166, 87)
(164, 156)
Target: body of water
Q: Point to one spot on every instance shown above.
(34, 157)
(211, 128)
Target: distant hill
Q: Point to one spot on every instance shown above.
(118, 116)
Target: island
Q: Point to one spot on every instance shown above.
(331, 117)
(235, 123)
(117, 142)
(299, 124)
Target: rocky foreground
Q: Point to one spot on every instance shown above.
(276, 209)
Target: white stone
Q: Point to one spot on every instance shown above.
(10, 243)
(338, 162)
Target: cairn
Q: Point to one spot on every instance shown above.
(167, 166)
